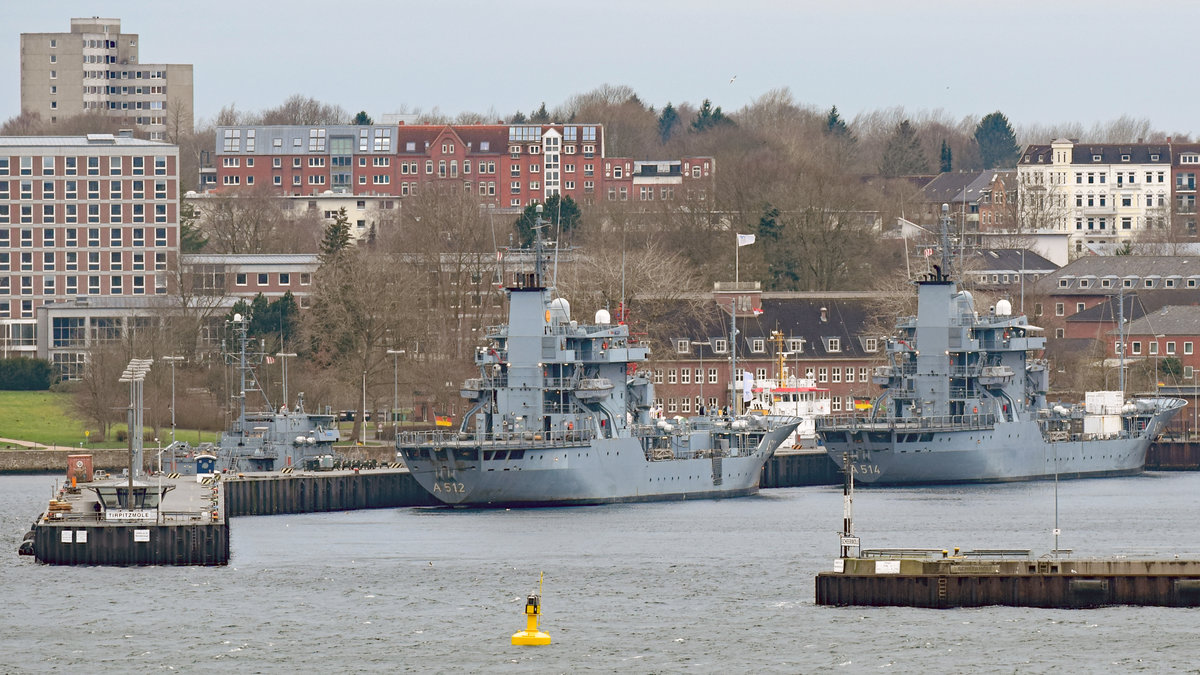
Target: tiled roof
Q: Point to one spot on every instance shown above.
(1118, 267)
(1170, 320)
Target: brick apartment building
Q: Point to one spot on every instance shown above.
(93, 216)
(504, 166)
(95, 68)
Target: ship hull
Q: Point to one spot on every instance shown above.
(604, 471)
(1007, 452)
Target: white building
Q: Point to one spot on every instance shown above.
(1095, 193)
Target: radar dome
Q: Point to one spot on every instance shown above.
(1003, 308)
(561, 310)
(603, 317)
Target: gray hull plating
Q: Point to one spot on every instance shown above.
(1009, 452)
(603, 471)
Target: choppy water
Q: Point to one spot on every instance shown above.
(675, 587)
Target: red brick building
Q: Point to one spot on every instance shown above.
(506, 166)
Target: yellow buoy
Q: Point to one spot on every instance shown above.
(533, 612)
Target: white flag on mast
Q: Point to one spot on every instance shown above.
(745, 239)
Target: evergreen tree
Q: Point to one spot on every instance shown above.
(552, 211)
(903, 155)
(708, 117)
(362, 119)
(191, 238)
(997, 142)
(836, 126)
(518, 118)
(542, 116)
(947, 158)
(668, 121)
(337, 238)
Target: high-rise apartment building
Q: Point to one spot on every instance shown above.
(96, 68)
(82, 217)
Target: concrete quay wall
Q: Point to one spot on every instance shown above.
(263, 495)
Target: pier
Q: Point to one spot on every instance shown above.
(934, 579)
(97, 523)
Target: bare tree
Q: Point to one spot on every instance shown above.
(253, 221)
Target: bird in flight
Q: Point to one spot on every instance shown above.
(732, 79)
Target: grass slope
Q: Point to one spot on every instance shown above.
(47, 418)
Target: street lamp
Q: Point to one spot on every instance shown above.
(703, 374)
(284, 356)
(395, 354)
(172, 360)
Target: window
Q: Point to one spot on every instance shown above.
(1135, 347)
(672, 376)
(240, 279)
(1059, 309)
(682, 346)
(835, 344)
(1171, 348)
(871, 344)
(720, 346)
(823, 374)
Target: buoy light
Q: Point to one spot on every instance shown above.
(531, 636)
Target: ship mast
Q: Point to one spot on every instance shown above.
(947, 254)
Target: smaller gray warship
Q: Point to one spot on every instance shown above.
(265, 439)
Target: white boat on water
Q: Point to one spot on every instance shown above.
(798, 397)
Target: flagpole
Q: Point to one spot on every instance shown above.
(737, 256)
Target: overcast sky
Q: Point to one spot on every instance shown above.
(1039, 62)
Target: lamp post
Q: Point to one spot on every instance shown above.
(172, 360)
(395, 354)
(284, 356)
(135, 375)
(703, 374)
(1157, 347)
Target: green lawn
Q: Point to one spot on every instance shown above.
(47, 418)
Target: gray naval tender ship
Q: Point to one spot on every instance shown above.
(560, 416)
(963, 402)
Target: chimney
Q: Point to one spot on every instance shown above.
(824, 315)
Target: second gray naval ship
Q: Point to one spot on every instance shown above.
(561, 416)
(964, 402)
